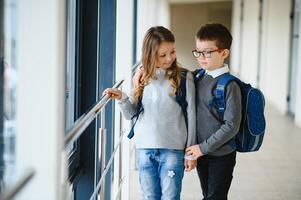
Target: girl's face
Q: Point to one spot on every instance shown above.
(166, 55)
(212, 57)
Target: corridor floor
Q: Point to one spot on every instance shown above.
(272, 173)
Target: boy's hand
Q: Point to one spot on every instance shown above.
(190, 165)
(195, 151)
(138, 77)
(113, 93)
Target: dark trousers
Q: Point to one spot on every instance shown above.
(215, 174)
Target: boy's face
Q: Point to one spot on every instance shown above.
(211, 57)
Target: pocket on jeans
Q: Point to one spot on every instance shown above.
(143, 158)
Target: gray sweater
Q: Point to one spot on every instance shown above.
(213, 135)
(162, 123)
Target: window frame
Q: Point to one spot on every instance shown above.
(1, 92)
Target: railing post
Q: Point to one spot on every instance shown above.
(102, 148)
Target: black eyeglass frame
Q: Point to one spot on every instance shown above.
(206, 54)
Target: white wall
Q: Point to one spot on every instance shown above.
(276, 48)
(185, 28)
(236, 43)
(40, 124)
(150, 13)
(250, 37)
(245, 32)
(298, 87)
(124, 55)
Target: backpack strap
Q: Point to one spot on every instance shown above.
(139, 110)
(181, 96)
(219, 93)
(198, 74)
(219, 98)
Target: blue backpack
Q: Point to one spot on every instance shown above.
(252, 126)
(180, 99)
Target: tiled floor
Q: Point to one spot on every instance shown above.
(273, 173)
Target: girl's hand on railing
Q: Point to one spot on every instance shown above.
(113, 93)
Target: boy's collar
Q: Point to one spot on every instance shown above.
(219, 71)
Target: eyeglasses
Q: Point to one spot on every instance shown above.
(206, 54)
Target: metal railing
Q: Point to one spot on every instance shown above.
(10, 193)
(138, 64)
(84, 121)
(106, 169)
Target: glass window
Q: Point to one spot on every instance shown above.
(10, 82)
(70, 67)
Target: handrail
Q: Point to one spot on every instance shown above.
(135, 66)
(106, 169)
(83, 122)
(11, 193)
(119, 189)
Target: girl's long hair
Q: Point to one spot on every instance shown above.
(152, 40)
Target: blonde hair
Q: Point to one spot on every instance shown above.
(151, 42)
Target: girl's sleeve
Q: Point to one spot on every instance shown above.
(127, 106)
(191, 112)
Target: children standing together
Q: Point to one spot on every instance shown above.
(168, 140)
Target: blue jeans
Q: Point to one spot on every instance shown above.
(160, 173)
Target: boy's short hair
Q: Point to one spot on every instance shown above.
(215, 32)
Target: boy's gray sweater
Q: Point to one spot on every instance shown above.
(213, 134)
(162, 124)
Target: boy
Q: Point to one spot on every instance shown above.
(214, 151)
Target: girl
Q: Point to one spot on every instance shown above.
(161, 134)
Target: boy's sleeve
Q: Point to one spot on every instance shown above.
(127, 106)
(232, 118)
(191, 112)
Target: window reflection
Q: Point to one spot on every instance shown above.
(9, 132)
(10, 80)
(70, 70)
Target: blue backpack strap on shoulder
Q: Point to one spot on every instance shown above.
(181, 96)
(139, 110)
(219, 97)
(198, 74)
(219, 93)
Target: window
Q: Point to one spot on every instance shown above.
(90, 67)
(71, 83)
(9, 78)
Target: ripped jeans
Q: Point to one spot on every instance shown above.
(160, 173)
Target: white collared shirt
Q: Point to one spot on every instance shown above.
(217, 72)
